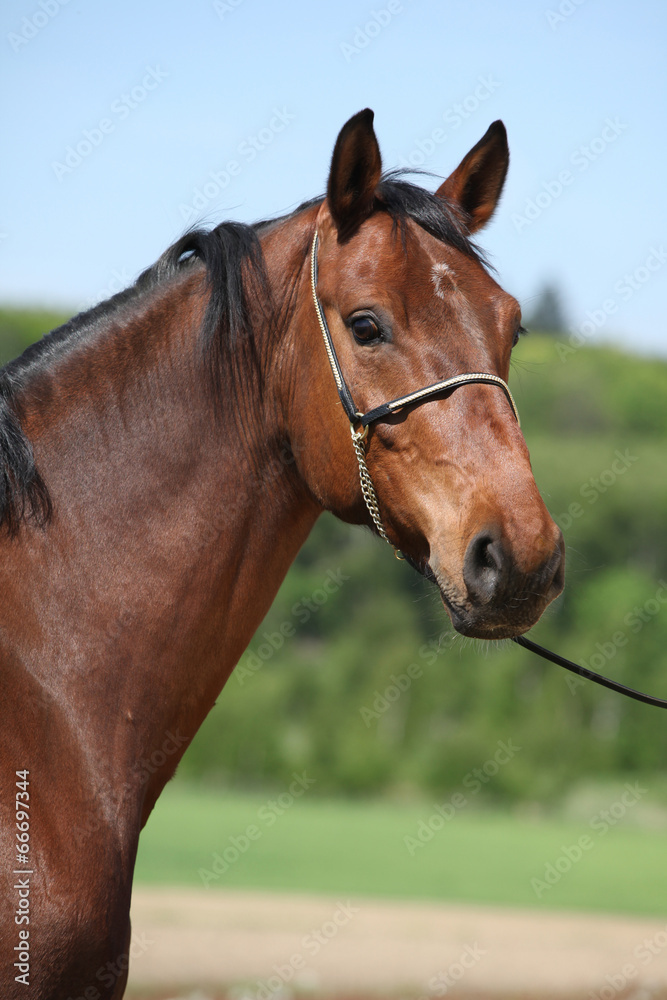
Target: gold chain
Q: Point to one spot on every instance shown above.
(367, 487)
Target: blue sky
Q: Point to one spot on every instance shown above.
(125, 122)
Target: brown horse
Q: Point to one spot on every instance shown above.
(164, 456)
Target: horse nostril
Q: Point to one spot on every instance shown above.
(557, 567)
(483, 567)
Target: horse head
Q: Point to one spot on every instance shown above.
(409, 302)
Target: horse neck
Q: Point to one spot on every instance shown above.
(173, 528)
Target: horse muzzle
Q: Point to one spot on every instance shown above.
(499, 599)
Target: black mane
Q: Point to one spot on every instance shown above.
(236, 276)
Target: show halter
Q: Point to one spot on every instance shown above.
(364, 420)
(359, 424)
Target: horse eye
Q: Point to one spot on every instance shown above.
(366, 329)
(519, 333)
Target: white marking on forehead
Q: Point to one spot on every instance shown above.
(439, 271)
(444, 279)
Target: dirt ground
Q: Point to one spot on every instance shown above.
(204, 945)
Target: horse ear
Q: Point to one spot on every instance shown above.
(356, 167)
(477, 182)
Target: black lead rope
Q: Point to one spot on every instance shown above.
(590, 675)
